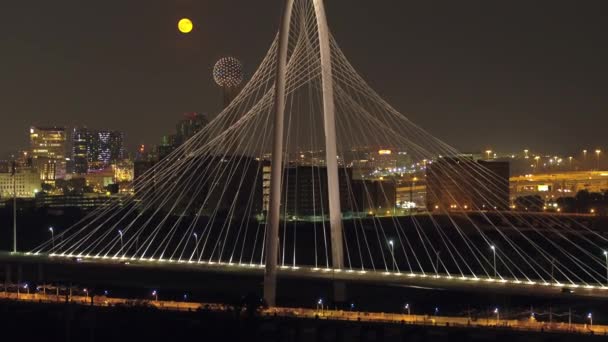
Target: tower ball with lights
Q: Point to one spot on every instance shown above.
(228, 75)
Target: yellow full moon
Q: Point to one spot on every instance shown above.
(185, 25)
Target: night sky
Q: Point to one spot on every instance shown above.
(477, 74)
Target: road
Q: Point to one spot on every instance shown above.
(322, 314)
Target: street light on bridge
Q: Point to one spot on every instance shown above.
(493, 248)
(52, 237)
(391, 244)
(597, 153)
(121, 241)
(497, 313)
(196, 246)
(407, 307)
(590, 318)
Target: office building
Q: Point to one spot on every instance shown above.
(48, 152)
(463, 183)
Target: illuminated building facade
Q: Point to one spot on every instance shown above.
(94, 150)
(559, 184)
(47, 150)
(27, 183)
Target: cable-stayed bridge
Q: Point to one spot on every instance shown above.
(278, 184)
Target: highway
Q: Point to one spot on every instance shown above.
(321, 314)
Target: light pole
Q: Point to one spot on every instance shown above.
(121, 241)
(136, 244)
(320, 304)
(436, 310)
(497, 312)
(52, 237)
(488, 153)
(493, 248)
(585, 156)
(155, 295)
(570, 159)
(391, 244)
(196, 246)
(597, 153)
(407, 307)
(14, 172)
(86, 293)
(606, 256)
(26, 286)
(537, 158)
(590, 317)
(553, 269)
(437, 261)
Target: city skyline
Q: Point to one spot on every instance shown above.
(465, 77)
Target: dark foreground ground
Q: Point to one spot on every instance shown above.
(70, 322)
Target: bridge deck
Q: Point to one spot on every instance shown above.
(431, 281)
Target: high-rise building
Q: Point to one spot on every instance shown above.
(104, 148)
(48, 152)
(96, 149)
(191, 124)
(80, 142)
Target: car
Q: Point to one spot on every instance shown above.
(567, 290)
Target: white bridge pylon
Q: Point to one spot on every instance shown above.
(331, 156)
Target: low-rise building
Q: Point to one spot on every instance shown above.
(26, 183)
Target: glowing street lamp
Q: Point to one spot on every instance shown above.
(488, 153)
(52, 237)
(391, 244)
(585, 156)
(497, 313)
(320, 304)
(537, 158)
(597, 153)
(155, 295)
(407, 307)
(195, 245)
(493, 248)
(590, 318)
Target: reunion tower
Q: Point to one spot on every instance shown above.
(228, 75)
